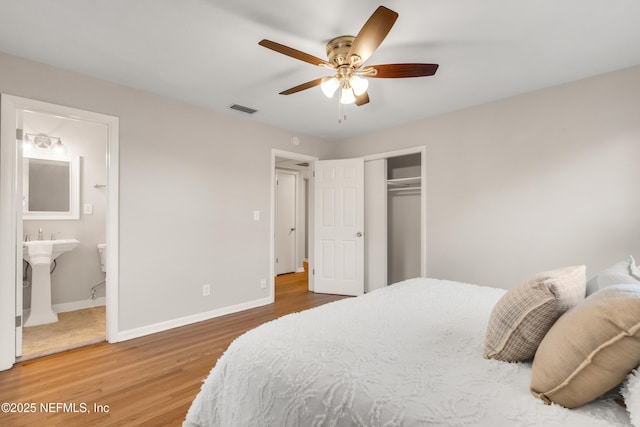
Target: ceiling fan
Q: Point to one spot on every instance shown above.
(346, 57)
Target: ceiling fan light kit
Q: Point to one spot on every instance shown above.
(358, 84)
(347, 96)
(346, 57)
(329, 86)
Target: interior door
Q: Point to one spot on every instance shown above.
(285, 222)
(339, 225)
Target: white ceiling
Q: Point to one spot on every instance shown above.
(206, 52)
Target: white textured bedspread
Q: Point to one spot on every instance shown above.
(406, 355)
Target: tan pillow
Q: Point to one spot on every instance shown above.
(522, 317)
(590, 349)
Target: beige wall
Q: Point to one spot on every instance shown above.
(190, 180)
(516, 186)
(528, 183)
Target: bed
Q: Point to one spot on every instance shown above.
(410, 354)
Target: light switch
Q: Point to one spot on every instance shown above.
(256, 215)
(88, 209)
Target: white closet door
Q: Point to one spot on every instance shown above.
(375, 224)
(339, 226)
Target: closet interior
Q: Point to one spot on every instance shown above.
(393, 205)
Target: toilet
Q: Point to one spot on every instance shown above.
(102, 250)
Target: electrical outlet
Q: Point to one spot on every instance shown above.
(263, 283)
(206, 290)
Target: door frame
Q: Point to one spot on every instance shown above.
(272, 226)
(11, 216)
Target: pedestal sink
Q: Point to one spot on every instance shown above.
(40, 254)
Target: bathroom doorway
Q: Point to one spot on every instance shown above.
(83, 292)
(78, 294)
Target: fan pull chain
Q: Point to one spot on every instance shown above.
(342, 111)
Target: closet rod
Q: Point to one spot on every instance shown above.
(404, 189)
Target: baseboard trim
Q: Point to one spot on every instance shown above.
(300, 270)
(72, 306)
(78, 305)
(187, 320)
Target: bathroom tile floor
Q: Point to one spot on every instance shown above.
(73, 329)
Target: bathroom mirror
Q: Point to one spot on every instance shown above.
(50, 186)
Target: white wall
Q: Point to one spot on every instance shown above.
(528, 183)
(79, 270)
(190, 180)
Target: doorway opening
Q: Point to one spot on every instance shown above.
(76, 289)
(291, 231)
(396, 217)
(400, 174)
(77, 283)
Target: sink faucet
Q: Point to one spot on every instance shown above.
(26, 238)
(40, 234)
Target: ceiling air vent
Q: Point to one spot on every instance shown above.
(243, 109)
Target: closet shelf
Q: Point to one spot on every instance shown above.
(404, 189)
(404, 182)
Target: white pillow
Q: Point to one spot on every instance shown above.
(635, 269)
(631, 394)
(623, 272)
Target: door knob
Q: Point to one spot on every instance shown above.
(293, 229)
(359, 234)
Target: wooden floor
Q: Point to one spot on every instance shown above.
(145, 381)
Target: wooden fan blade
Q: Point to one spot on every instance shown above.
(303, 86)
(294, 53)
(372, 33)
(396, 71)
(362, 99)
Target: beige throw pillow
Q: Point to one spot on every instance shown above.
(590, 349)
(522, 317)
